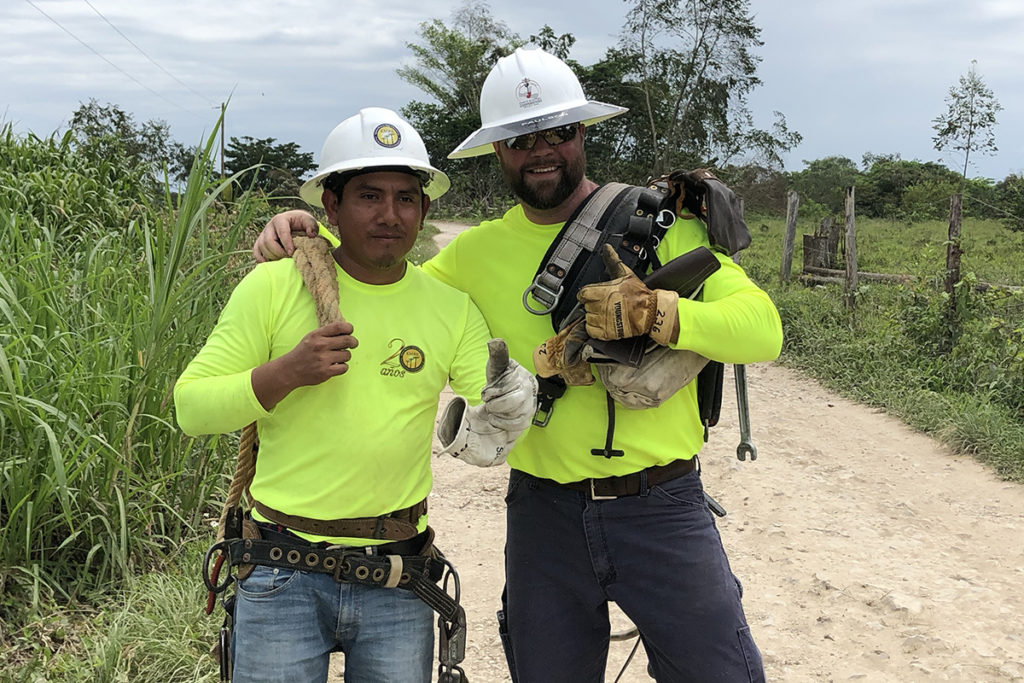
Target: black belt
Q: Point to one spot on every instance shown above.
(630, 484)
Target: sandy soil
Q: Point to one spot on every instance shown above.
(867, 551)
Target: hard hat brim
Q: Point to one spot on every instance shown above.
(439, 183)
(481, 141)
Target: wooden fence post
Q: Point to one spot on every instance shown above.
(953, 254)
(953, 251)
(792, 206)
(851, 251)
(831, 231)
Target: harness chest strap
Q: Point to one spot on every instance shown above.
(394, 526)
(580, 234)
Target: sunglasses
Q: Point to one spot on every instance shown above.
(552, 136)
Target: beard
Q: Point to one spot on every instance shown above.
(545, 195)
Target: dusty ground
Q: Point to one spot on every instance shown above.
(867, 551)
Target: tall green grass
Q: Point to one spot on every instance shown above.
(153, 628)
(104, 293)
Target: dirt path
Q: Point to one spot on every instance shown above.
(867, 551)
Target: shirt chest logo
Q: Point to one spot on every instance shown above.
(406, 358)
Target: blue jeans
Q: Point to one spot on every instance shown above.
(658, 555)
(288, 622)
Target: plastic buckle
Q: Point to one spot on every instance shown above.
(549, 389)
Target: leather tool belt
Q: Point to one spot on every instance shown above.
(418, 572)
(364, 566)
(395, 526)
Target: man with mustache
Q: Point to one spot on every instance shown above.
(345, 408)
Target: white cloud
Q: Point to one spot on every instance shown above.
(856, 76)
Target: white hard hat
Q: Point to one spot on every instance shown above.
(373, 137)
(529, 91)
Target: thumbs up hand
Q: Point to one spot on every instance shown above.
(510, 396)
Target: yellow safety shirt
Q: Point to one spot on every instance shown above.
(734, 322)
(357, 445)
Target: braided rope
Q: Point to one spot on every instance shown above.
(315, 262)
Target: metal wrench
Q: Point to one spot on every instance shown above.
(746, 446)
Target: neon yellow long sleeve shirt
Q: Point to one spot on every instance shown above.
(734, 322)
(357, 445)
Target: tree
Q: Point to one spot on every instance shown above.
(900, 189)
(686, 68)
(967, 126)
(824, 181)
(763, 189)
(558, 45)
(280, 165)
(1010, 191)
(452, 63)
(109, 133)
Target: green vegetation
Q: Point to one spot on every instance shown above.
(274, 168)
(970, 117)
(153, 628)
(104, 295)
(685, 70)
(890, 187)
(897, 350)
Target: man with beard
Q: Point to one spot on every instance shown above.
(603, 504)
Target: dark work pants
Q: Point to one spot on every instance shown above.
(658, 555)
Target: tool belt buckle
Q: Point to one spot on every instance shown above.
(594, 496)
(342, 568)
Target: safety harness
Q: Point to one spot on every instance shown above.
(633, 220)
(410, 561)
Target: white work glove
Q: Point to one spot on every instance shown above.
(482, 435)
(662, 373)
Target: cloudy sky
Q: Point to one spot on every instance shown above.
(852, 76)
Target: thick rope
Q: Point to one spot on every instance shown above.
(315, 262)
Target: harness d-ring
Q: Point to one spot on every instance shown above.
(542, 311)
(211, 581)
(665, 219)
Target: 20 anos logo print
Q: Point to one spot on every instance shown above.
(407, 358)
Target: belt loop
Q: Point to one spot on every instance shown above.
(644, 488)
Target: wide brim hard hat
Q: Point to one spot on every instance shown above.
(437, 185)
(481, 141)
(374, 138)
(530, 91)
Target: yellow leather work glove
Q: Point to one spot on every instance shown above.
(561, 355)
(625, 307)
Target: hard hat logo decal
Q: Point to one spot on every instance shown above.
(387, 135)
(528, 93)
